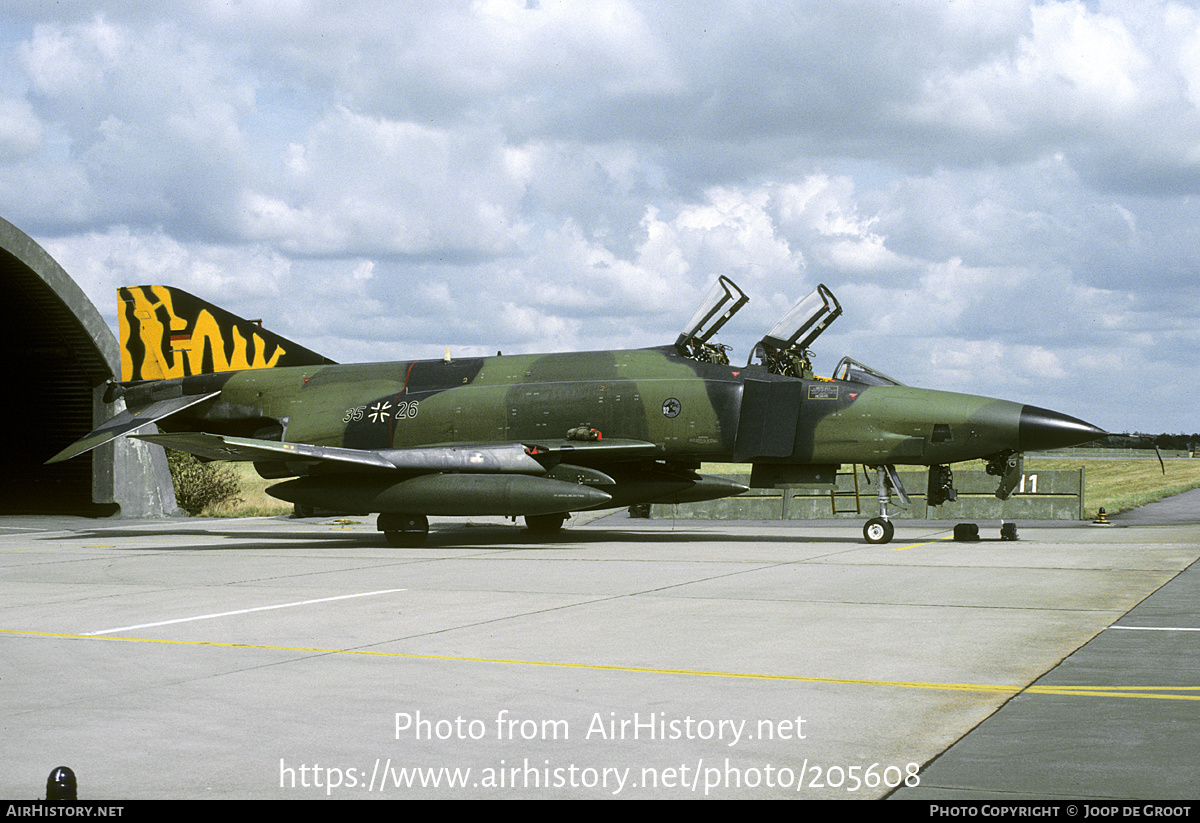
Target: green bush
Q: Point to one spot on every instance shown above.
(199, 485)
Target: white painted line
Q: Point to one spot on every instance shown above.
(244, 611)
(1155, 628)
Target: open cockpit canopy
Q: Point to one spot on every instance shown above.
(784, 349)
(720, 304)
(805, 322)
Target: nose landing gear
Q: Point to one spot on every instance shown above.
(880, 529)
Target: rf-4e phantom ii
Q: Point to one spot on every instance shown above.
(544, 435)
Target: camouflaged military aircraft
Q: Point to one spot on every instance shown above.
(543, 435)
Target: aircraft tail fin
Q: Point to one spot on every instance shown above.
(166, 332)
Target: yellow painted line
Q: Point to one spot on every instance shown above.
(1150, 692)
(926, 543)
(1099, 693)
(1119, 688)
(792, 678)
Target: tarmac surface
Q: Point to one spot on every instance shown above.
(285, 658)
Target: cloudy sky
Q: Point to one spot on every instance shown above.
(1004, 195)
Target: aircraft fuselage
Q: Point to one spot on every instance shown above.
(688, 410)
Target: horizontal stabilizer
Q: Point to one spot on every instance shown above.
(127, 422)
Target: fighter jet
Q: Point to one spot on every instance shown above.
(544, 435)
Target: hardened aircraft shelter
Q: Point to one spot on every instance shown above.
(58, 359)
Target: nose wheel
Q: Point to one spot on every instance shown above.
(878, 530)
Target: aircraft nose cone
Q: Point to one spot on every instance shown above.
(1042, 429)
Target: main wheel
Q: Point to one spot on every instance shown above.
(403, 531)
(878, 530)
(405, 540)
(545, 523)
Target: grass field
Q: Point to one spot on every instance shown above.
(1117, 485)
(253, 500)
(1121, 485)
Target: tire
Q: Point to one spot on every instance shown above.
(545, 523)
(403, 531)
(878, 530)
(405, 540)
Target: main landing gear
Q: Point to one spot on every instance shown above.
(403, 531)
(406, 531)
(545, 523)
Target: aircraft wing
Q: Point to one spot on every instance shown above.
(484, 459)
(222, 447)
(127, 422)
(536, 458)
(502, 458)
